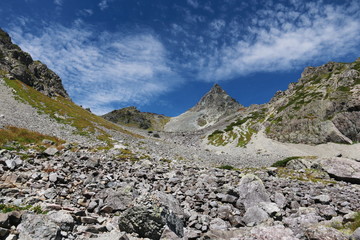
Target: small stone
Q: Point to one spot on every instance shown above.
(51, 151)
(88, 220)
(4, 232)
(53, 177)
(324, 199)
(280, 200)
(356, 234)
(254, 215)
(218, 224)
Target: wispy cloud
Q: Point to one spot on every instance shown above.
(58, 2)
(104, 4)
(102, 70)
(85, 12)
(277, 38)
(193, 3)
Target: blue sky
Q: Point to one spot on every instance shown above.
(163, 55)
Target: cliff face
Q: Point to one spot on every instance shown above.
(20, 65)
(323, 106)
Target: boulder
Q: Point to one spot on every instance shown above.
(38, 227)
(297, 164)
(356, 234)
(251, 192)
(116, 200)
(63, 219)
(149, 219)
(255, 215)
(342, 169)
(324, 233)
(51, 151)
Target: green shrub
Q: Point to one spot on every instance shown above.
(227, 167)
(282, 163)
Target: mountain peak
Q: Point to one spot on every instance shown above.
(212, 107)
(218, 99)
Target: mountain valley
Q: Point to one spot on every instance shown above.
(288, 169)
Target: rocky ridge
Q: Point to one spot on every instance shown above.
(20, 65)
(323, 106)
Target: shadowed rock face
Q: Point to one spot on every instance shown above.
(19, 65)
(213, 106)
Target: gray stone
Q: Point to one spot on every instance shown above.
(324, 233)
(254, 215)
(167, 234)
(280, 200)
(51, 151)
(324, 199)
(4, 232)
(356, 234)
(251, 191)
(38, 227)
(63, 219)
(53, 177)
(4, 220)
(117, 200)
(148, 221)
(270, 208)
(297, 164)
(343, 169)
(218, 224)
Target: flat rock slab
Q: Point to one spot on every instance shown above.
(342, 169)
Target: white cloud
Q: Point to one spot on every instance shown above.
(58, 2)
(280, 40)
(114, 69)
(85, 12)
(193, 3)
(104, 4)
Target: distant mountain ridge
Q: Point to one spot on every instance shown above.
(131, 116)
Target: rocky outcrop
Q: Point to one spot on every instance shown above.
(323, 106)
(18, 64)
(131, 116)
(212, 107)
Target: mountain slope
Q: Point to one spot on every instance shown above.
(323, 106)
(33, 97)
(213, 106)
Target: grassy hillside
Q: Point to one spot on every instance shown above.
(66, 112)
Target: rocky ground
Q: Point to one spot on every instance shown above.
(75, 193)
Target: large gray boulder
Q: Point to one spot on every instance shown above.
(149, 218)
(38, 227)
(278, 232)
(324, 233)
(116, 200)
(342, 169)
(251, 192)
